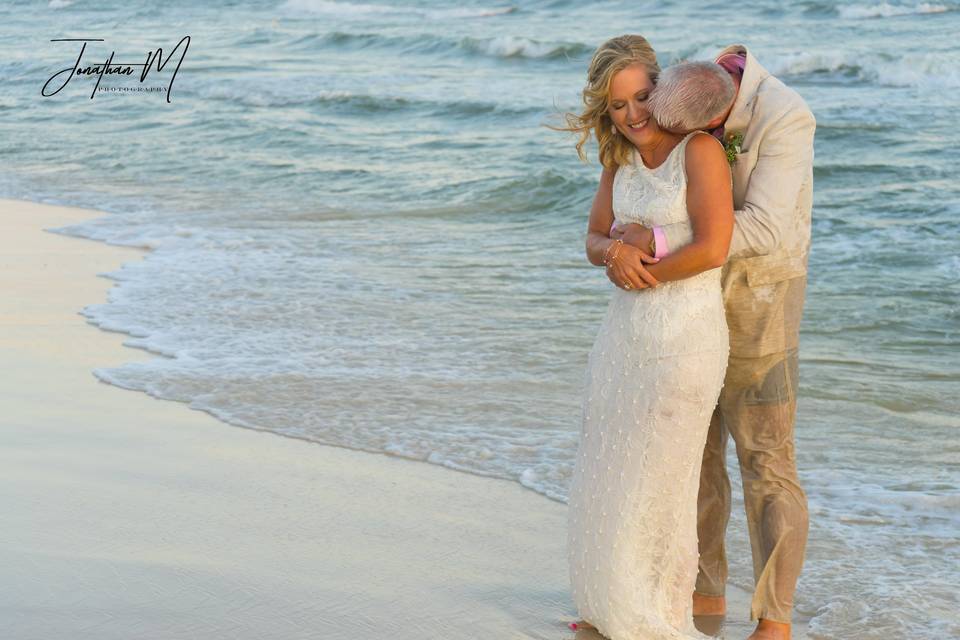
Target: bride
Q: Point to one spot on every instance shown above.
(657, 365)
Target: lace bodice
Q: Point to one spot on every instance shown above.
(658, 197)
(652, 196)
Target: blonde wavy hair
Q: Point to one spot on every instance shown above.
(611, 57)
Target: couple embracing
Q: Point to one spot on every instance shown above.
(702, 220)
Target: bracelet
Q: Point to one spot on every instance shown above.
(606, 252)
(619, 243)
(616, 252)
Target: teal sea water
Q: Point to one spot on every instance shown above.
(364, 236)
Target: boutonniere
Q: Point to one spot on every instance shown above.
(733, 145)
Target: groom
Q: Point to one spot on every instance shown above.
(764, 281)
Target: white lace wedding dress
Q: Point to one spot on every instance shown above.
(653, 377)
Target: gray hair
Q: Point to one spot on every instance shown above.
(688, 95)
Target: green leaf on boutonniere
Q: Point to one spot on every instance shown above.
(733, 145)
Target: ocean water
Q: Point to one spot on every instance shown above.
(364, 236)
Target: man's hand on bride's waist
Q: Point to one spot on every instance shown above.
(634, 233)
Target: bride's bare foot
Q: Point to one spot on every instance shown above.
(709, 605)
(771, 630)
(581, 624)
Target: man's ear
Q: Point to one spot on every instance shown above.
(713, 124)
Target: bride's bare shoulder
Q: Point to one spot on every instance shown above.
(704, 152)
(700, 140)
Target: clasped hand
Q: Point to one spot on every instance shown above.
(627, 270)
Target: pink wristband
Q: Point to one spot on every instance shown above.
(614, 224)
(661, 240)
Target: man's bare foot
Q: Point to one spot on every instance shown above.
(771, 630)
(709, 605)
(710, 625)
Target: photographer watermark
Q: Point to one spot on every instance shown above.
(120, 69)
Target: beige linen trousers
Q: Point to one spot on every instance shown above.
(764, 282)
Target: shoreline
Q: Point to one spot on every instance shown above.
(130, 516)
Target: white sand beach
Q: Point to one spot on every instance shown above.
(129, 517)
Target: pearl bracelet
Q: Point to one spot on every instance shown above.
(619, 243)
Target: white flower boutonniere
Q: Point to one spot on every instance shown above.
(733, 144)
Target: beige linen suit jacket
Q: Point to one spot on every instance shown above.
(764, 279)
